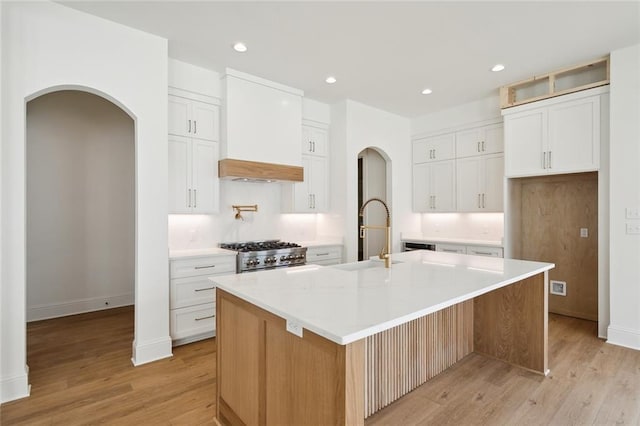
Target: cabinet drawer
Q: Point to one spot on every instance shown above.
(192, 291)
(321, 254)
(451, 248)
(484, 251)
(194, 320)
(213, 265)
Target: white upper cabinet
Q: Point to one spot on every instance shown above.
(560, 135)
(193, 177)
(314, 141)
(479, 183)
(311, 195)
(480, 141)
(434, 187)
(193, 119)
(434, 148)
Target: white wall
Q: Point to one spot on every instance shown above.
(624, 328)
(45, 46)
(451, 118)
(80, 205)
(354, 127)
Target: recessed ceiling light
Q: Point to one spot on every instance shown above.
(240, 47)
(497, 67)
(427, 91)
(330, 80)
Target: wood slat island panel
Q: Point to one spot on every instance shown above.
(402, 358)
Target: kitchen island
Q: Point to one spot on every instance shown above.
(333, 345)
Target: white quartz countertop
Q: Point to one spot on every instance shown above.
(205, 252)
(348, 302)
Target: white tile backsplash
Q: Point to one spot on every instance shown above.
(477, 226)
(203, 231)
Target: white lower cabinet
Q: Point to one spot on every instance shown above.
(192, 300)
(324, 255)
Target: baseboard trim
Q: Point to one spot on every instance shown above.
(150, 351)
(79, 306)
(15, 387)
(626, 337)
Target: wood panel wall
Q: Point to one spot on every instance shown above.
(400, 359)
(553, 209)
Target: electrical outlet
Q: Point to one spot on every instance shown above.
(632, 212)
(584, 232)
(559, 288)
(294, 328)
(633, 228)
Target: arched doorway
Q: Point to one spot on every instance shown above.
(80, 205)
(372, 182)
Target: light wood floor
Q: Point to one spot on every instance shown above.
(81, 373)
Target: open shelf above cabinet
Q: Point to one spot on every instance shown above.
(567, 80)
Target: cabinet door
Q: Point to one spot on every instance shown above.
(318, 184)
(443, 186)
(302, 190)
(319, 139)
(526, 136)
(205, 182)
(179, 174)
(468, 184)
(421, 192)
(434, 148)
(492, 139)
(574, 136)
(469, 143)
(179, 116)
(204, 121)
(493, 183)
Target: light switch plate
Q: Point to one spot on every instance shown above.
(633, 228)
(633, 212)
(584, 232)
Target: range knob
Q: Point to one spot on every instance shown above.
(300, 256)
(283, 258)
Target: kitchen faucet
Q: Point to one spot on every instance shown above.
(386, 251)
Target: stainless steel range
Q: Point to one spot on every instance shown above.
(269, 254)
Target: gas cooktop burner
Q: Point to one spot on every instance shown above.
(269, 254)
(258, 245)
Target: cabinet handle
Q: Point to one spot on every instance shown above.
(483, 253)
(314, 200)
(204, 289)
(550, 159)
(204, 318)
(449, 250)
(204, 267)
(314, 145)
(189, 131)
(544, 160)
(482, 146)
(195, 198)
(483, 200)
(189, 205)
(478, 146)
(309, 204)
(434, 154)
(195, 127)
(322, 254)
(434, 200)
(310, 148)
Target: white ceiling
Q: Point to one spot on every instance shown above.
(384, 53)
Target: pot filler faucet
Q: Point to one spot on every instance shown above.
(386, 251)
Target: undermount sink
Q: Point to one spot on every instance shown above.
(365, 264)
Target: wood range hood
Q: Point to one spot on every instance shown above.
(255, 171)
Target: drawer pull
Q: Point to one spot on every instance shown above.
(205, 267)
(204, 289)
(450, 250)
(483, 253)
(322, 254)
(204, 318)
